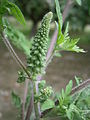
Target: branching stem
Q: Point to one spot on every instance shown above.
(13, 53)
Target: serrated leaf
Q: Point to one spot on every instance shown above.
(67, 28)
(15, 11)
(66, 34)
(59, 14)
(16, 100)
(79, 2)
(70, 45)
(47, 104)
(69, 88)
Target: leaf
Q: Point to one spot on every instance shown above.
(47, 104)
(42, 84)
(18, 39)
(15, 11)
(69, 88)
(70, 45)
(62, 93)
(21, 77)
(59, 14)
(16, 100)
(79, 2)
(78, 80)
(69, 114)
(66, 34)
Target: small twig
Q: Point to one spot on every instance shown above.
(13, 53)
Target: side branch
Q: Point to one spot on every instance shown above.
(81, 86)
(13, 53)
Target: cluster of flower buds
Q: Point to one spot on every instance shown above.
(47, 91)
(37, 59)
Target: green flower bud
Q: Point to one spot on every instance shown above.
(37, 59)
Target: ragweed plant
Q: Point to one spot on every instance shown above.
(40, 99)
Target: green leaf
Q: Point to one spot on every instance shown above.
(62, 93)
(66, 33)
(70, 45)
(16, 100)
(59, 14)
(47, 104)
(79, 2)
(42, 84)
(15, 11)
(69, 88)
(21, 77)
(18, 39)
(78, 80)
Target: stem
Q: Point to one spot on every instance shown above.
(36, 105)
(30, 107)
(53, 41)
(67, 9)
(22, 112)
(81, 86)
(24, 98)
(13, 53)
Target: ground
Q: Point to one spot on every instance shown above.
(59, 72)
